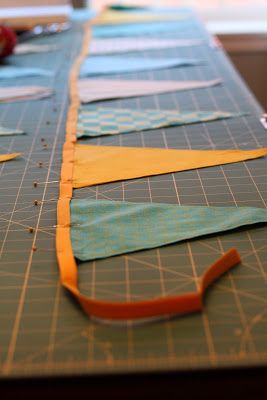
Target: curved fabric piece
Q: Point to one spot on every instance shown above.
(20, 93)
(106, 228)
(7, 157)
(101, 164)
(7, 72)
(9, 131)
(153, 28)
(105, 65)
(110, 17)
(159, 306)
(125, 45)
(102, 121)
(105, 89)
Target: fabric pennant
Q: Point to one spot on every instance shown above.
(94, 165)
(10, 132)
(101, 65)
(7, 157)
(103, 228)
(31, 48)
(112, 121)
(20, 93)
(123, 45)
(7, 72)
(91, 90)
(110, 17)
(153, 28)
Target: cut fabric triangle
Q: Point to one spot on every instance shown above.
(101, 164)
(123, 45)
(9, 132)
(7, 157)
(105, 228)
(20, 93)
(112, 121)
(91, 90)
(21, 72)
(110, 17)
(153, 28)
(31, 48)
(101, 65)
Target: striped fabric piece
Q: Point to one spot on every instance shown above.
(105, 228)
(112, 121)
(105, 65)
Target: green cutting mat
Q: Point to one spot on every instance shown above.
(42, 331)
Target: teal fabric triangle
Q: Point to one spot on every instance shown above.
(112, 121)
(102, 228)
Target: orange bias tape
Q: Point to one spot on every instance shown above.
(185, 303)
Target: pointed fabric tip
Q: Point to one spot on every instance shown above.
(140, 29)
(31, 48)
(105, 65)
(20, 93)
(21, 72)
(9, 132)
(105, 89)
(101, 121)
(94, 165)
(123, 45)
(103, 228)
(7, 157)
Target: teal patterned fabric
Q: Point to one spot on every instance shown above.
(112, 121)
(102, 228)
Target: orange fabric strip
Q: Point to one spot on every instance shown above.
(182, 304)
(101, 164)
(7, 157)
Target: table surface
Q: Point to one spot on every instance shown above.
(43, 332)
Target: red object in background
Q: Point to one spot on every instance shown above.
(8, 41)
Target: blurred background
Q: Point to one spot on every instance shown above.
(240, 25)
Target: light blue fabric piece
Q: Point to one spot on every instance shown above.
(10, 132)
(105, 65)
(7, 72)
(102, 228)
(82, 15)
(139, 29)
